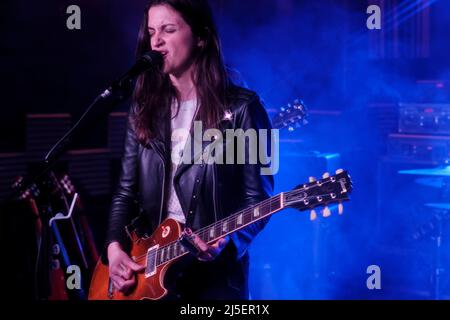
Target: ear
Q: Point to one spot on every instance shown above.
(200, 42)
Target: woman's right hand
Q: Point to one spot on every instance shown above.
(122, 268)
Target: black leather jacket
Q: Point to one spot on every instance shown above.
(223, 189)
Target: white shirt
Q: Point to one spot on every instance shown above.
(183, 120)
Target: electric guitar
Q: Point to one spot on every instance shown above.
(57, 282)
(170, 242)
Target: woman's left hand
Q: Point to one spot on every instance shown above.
(211, 251)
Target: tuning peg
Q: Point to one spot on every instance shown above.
(312, 179)
(313, 215)
(340, 208)
(326, 175)
(339, 171)
(326, 212)
(291, 128)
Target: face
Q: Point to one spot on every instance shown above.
(172, 36)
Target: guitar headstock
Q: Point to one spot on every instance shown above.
(67, 184)
(292, 116)
(328, 190)
(29, 193)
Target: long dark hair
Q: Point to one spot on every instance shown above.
(154, 92)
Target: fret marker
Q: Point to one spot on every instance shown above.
(211, 232)
(225, 227)
(239, 219)
(168, 254)
(256, 212)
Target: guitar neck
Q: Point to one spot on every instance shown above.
(223, 227)
(334, 189)
(241, 219)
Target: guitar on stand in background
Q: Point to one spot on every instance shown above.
(87, 249)
(63, 239)
(49, 280)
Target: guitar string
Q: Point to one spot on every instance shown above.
(263, 203)
(270, 201)
(273, 199)
(179, 255)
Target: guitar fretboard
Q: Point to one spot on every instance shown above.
(334, 189)
(224, 227)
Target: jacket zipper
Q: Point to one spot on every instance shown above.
(214, 192)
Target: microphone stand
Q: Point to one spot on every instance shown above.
(102, 105)
(109, 99)
(119, 90)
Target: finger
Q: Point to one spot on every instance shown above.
(133, 265)
(213, 251)
(123, 285)
(217, 247)
(125, 273)
(115, 284)
(128, 284)
(205, 256)
(199, 243)
(115, 272)
(221, 243)
(226, 240)
(210, 252)
(118, 282)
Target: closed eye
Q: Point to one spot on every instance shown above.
(167, 28)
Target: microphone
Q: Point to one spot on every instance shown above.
(149, 60)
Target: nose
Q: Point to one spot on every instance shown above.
(156, 40)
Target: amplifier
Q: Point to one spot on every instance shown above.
(419, 148)
(424, 118)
